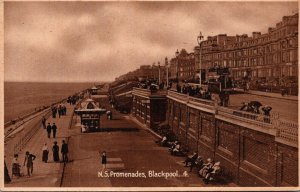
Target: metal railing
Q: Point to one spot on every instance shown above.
(29, 133)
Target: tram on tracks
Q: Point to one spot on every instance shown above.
(219, 80)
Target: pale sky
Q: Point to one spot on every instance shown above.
(98, 41)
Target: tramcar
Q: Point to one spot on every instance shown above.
(219, 80)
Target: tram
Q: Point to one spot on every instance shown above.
(219, 80)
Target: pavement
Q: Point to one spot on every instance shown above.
(131, 150)
(269, 94)
(286, 109)
(44, 174)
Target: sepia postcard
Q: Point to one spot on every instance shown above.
(150, 96)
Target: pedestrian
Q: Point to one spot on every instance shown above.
(49, 130)
(55, 150)
(6, 174)
(45, 153)
(44, 122)
(16, 167)
(103, 160)
(54, 128)
(29, 158)
(64, 151)
(267, 109)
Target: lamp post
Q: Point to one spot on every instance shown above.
(199, 40)
(176, 54)
(166, 65)
(158, 73)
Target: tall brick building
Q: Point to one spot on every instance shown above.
(272, 56)
(184, 65)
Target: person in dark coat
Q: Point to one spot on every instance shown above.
(64, 151)
(6, 174)
(191, 159)
(29, 158)
(55, 150)
(54, 128)
(44, 122)
(49, 130)
(267, 109)
(45, 153)
(103, 160)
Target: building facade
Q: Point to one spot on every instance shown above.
(272, 56)
(183, 66)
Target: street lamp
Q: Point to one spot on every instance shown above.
(166, 65)
(199, 40)
(158, 73)
(176, 54)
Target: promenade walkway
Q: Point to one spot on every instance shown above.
(130, 149)
(269, 94)
(44, 174)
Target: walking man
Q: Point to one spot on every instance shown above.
(49, 130)
(44, 122)
(54, 128)
(64, 151)
(55, 150)
(29, 158)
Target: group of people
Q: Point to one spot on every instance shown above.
(255, 107)
(55, 150)
(51, 128)
(174, 146)
(29, 158)
(151, 84)
(193, 91)
(28, 161)
(73, 99)
(208, 170)
(61, 110)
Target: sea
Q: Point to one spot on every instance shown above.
(21, 98)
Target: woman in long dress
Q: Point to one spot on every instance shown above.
(45, 153)
(55, 150)
(16, 166)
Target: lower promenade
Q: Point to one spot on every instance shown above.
(252, 152)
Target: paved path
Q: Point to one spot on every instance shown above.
(44, 174)
(270, 94)
(130, 149)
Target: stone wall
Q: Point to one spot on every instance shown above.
(248, 150)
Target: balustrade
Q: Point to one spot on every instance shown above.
(285, 129)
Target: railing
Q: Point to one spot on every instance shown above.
(141, 92)
(288, 130)
(208, 104)
(14, 121)
(243, 116)
(283, 129)
(178, 96)
(29, 134)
